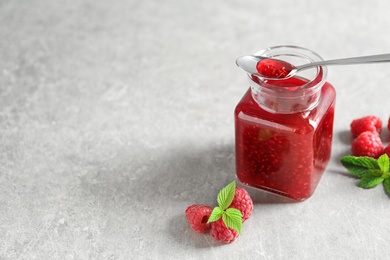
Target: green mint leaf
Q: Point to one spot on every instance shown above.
(215, 214)
(361, 166)
(233, 219)
(370, 181)
(386, 184)
(226, 195)
(383, 162)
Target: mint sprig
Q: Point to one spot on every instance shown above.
(226, 195)
(371, 172)
(231, 217)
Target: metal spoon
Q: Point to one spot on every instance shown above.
(249, 63)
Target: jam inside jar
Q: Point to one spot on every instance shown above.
(284, 128)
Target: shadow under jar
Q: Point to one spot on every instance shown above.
(284, 127)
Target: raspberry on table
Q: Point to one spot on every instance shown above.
(367, 123)
(197, 216)
(388, 124)
(221, 233)
(224, 221)
(243, 202)
(367, 144)
(387, 150)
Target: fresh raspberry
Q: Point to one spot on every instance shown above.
(197, 216)
(243, 202)
(388, 124)
(221, 233)
(367, 144)
(387, 150)
(367, 123)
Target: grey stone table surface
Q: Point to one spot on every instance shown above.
(117, 115)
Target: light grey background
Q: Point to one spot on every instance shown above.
(117, 115)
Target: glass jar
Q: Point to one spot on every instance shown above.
(284, 127)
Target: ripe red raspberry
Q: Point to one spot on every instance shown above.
(388, 124)
(221, 233)
(243, 202)
(367, 123)
(367, 144)
(197, 216)
(387, 150)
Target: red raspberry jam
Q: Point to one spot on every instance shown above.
(274, 68)
(284, 134)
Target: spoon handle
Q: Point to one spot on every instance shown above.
(346, 61)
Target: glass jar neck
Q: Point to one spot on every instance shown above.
(291, 95)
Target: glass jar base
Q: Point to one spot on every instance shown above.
(275, 192)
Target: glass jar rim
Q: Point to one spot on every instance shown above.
(293, 51)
